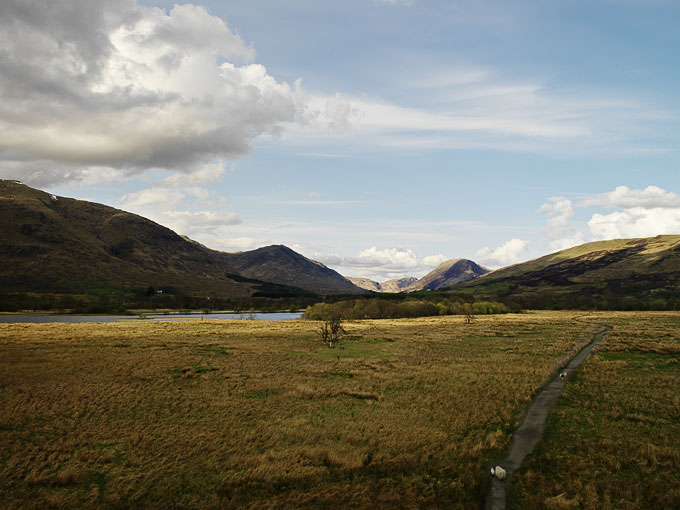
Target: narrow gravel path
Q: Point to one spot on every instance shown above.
(532, 427)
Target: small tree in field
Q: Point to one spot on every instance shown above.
(331, 330)
(469, 313)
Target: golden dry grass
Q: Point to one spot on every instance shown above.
(613, 440)
(407, 413)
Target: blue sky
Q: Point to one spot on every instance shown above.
(379, 137)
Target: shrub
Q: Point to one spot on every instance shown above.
(377, 308)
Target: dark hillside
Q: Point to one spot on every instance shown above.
(282, 265)
(57, 244)
(621, 273)
(63, 245)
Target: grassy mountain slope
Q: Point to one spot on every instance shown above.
(57, 244)
(448, 273)
(603, 271)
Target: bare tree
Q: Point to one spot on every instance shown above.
(331, 331)
(467, 310)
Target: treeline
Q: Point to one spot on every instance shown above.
(116, 301)
(108, 300)
(377, 308)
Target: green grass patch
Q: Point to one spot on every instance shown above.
(264, 393)
(222, 351)
(376, 340)
(193, 370)
(109, 445)
(97, 478)
(342, 374)
(354, 349)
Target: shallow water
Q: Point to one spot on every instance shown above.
(38, 318)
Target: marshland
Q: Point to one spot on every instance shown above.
(405, 413)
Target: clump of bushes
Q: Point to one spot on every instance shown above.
(376, 308)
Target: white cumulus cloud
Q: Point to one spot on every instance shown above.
(236, 243)
(149, 196)
(652, 197)
(639, 213)
(377, 264)
(192, 222)
(389, 258)
(185, 203)
(96, 84)
(559, 211)
(509, 252)
(434, 260)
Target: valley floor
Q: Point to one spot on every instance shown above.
(404, 413)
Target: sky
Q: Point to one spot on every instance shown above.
(380, 137)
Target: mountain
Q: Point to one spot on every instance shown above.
(391, 286)
(615, 273)
(447, 274)
(58, 244)
(282, 265)
(365, 283)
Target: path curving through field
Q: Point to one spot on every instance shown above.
(531, 429)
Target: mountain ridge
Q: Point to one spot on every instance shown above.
(394, 286)
(60, 244)
(598, 272)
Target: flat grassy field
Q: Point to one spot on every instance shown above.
(247, 414)
(613, 440)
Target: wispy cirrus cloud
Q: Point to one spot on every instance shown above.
(394, 2)
(477, 108)
(92, 88)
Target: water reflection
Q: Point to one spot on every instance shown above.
(37, 318)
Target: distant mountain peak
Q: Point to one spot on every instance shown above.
(448, 273)
(281, 264)
(392, 286)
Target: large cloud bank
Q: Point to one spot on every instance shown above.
(97, 88)
(638, 213)
(645, 212)
(509, 252)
